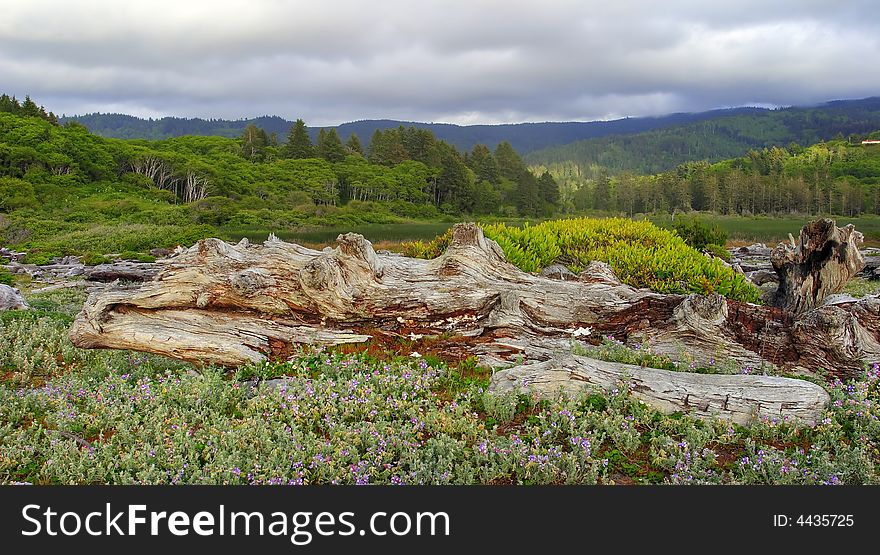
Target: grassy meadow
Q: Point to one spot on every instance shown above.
(379, 414)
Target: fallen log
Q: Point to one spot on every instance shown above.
(124, 271)
(735, 398)
(232, 304)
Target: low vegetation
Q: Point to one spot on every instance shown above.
(69, 416)
(641, 254)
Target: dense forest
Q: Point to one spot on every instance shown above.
(841, 176)
(63, 188)
(715, 139)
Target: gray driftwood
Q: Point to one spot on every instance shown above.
(231, 304)
(123, 270)
(820, 263)
(736, 398)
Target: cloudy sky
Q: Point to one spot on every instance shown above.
(458, 61)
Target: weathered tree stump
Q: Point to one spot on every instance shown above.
(820, 263)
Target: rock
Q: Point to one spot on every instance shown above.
(67, 261)
(12, 255)
(872, 267)
(760, 277)
(558, 271)
(11, 299)
(756, 249)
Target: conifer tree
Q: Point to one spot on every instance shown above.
(298, 145)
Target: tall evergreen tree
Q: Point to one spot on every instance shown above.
(549, 190)
(298, 145)
(528, 198)
(254, 142)
(329, 146)
(30, 108)
(386, 148)
(602, 195)
(509, 162)
(484, 165)
(353, 145)
(9, 104)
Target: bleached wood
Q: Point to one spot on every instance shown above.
(229, 304)
(735, 398)
(819, 264)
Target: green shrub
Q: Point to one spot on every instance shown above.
(718, 251)
(138, 256)
(6, 278)
(93, 259)
(698, 233)
(641, 254)
(430, 249)
(41, 257)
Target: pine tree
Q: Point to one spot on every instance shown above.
(386, 148)
(510, 164)
(329, 146)
(353, 145)
(9, 104)
(602, 196)
(549, 190)
(528, 198)
(253, 145)
(298, 145)
(30, 108)
(484, 165)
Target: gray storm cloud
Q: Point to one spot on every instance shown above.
(461, 61)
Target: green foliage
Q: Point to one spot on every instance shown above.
(430, 249)
(6, 277)
(72, 416)
(299, 145)
(718, 251)
(93, 259)
(138, 256)
(698, 233)
(640, 253)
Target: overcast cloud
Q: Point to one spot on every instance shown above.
(458, 61)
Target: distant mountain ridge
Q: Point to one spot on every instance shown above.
(525, 137)
(644, 144)
(713, 139)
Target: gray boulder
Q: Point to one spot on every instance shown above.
(11, 299)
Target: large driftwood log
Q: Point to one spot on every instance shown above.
(820, 263)
(736, 398)
(230, 304)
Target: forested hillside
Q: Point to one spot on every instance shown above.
(64, 189)
(840, 176)
(726, 136)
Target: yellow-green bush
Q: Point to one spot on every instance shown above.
(641, 254)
